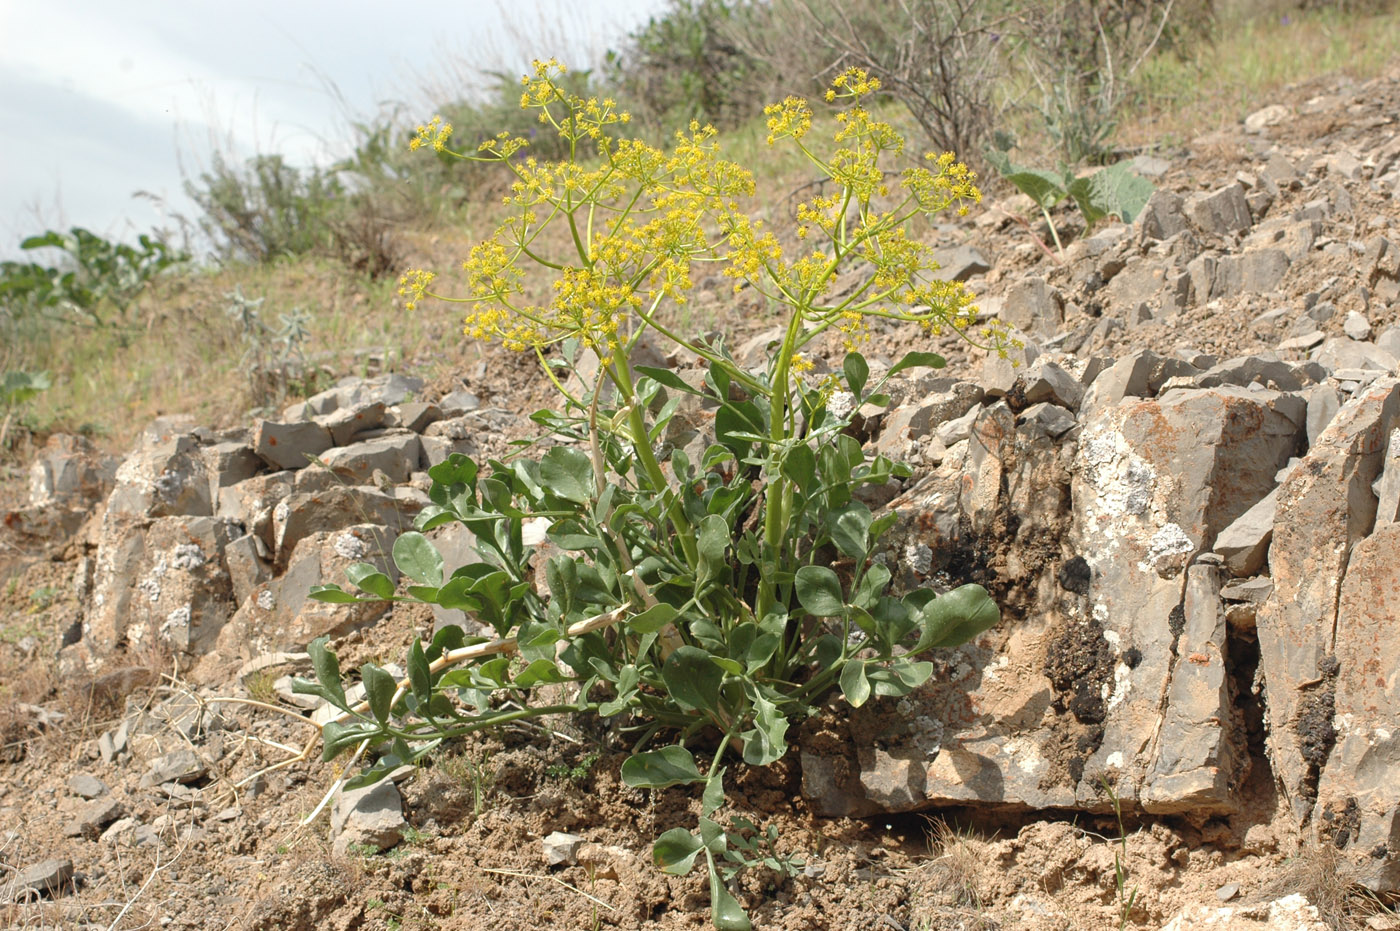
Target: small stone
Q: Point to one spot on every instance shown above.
(368, 817)
(87, 786)
(1357, 326)
(177, 766)
(94, 816)
(1263, 118)
(51, 876)
(1303, 343)
(1227, 892)
(458, 403)
(560, 848)
(603, 861)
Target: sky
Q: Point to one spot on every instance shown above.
(102, 99)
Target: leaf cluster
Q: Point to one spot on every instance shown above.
(96, 277)
(1114, 191)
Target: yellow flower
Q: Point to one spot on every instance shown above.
(414, 285)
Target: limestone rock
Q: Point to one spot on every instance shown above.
(561, 849)
(290, 445)
(369, 817)
(1197, 758)
(1219, 212)
(338, 507)
(343, 424)
(1244, 545)
(1326, 506)
(50, 876)
(278, 616)
(1359, 794)
(1290, 913)
(1262, 119)
(165, 579)
(395, 454)
(1033, 306)
(960, 263)
(1163, 217)
(162, 479)
(1140, 374)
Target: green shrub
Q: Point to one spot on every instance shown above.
(686, 64)
(96, 284)
(714, 600)
(265, 209)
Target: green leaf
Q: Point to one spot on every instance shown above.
(568, 474)
(653, 619)
(327, 669)
(367, 578)
(675, 851)
(819, 591)
(539, 672)
(828, 651)
(419, 676)
(1046, 188)
(800, 465)
(1113, 191)
(455, 470)
(917, 360)
(418, 559)
(854, 684)
(713, 540)
(713, 797)
(336, 737)
(849, 527)
(331, 594)
(724, 910)
(957, 616)
(693, 680)
(379, 691)
(448, 637)
(657, 769)
(766, 743)
(668, 378)
(857, 372)
(911, 673)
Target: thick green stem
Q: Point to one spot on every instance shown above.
(641, 442)
(777, 502)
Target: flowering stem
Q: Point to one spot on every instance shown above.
(777, 497)
(641, 442)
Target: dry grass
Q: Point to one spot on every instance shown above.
(1322, 875)
(1253, 57)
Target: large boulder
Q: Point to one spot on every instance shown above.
(279, 617)
(1326, 507)
(160, 580)
(1359, 794)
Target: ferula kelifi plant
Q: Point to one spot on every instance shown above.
(708, 601)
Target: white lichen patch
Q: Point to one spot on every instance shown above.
(265, 600)
(187, 556)
(840, 404)
(918, 559)
(349, 546)
(1124, 482)
(1122, 685)
(178, 619)
(1170, 541)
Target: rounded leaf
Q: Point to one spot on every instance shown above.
(819, 591)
